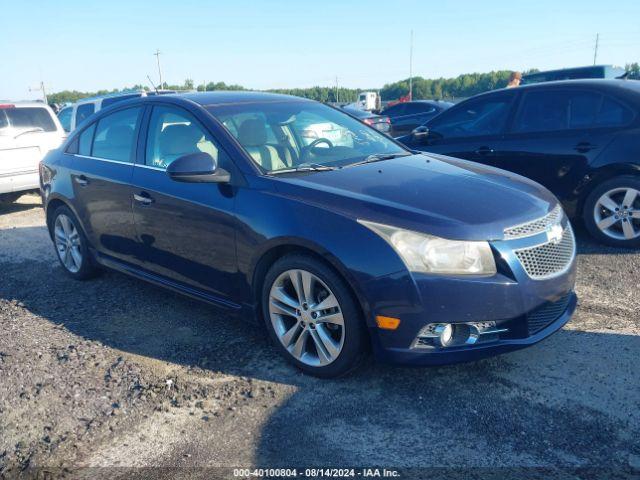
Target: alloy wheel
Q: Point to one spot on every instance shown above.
(306, 317)
(68, 244)
(617, 213)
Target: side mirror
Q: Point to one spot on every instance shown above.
(420, 134)
(197, 168)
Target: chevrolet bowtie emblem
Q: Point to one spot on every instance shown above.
(554, 233)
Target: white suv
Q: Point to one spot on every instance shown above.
(28, 130)
(73, 115)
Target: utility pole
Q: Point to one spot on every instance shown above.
(595, 53)
(157, 55)
(411, 67)
(40, 89)
(337, 91)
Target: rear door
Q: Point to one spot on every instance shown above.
(187, 230)
(27, 133)
(473, 129)
(556, 134)
(101, 174)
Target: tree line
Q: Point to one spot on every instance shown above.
(464, 85)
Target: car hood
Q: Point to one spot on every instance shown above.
(429, 193)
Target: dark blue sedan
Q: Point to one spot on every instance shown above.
(341, 241)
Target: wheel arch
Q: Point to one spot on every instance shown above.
(602, 175)
(284, 247)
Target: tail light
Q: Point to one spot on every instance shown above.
(7, 105)
(369, 121)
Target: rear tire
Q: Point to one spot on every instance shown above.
(611, 212)
(72, 247)
(316, 325)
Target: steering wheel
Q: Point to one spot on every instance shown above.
(318, 141)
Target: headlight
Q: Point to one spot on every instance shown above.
(429, 254)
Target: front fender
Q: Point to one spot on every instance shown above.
(280, 223)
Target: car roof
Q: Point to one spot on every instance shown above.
(223, 97)
(25, 104)
(588, 82)
(603, 84)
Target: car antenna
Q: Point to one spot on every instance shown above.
(151, 82)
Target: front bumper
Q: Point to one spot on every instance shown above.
(529, 308)
(412, 356)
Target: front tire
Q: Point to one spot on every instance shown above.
(312, 317)
(611, 212)
(71, 245)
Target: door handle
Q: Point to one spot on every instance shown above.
(143, 197)
(584, 147)
(81, 180)
(484, 151)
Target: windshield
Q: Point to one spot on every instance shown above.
(25, 118)
(281, 136)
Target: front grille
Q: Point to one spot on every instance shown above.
(546, 260)
(547, 314)
(534, 227)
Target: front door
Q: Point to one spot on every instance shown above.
(471, 130)
(186, 230)
(556, 134)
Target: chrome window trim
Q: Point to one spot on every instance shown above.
(119, 162)
(150, 167)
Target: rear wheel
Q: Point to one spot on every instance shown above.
(612, 212)
(312, 317)
(71, 245)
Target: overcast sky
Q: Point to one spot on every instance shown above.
(87, 46)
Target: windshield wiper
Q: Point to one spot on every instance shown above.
(377, 157)
(30, 130)
(304, 167)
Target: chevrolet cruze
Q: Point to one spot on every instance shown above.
(340, 244)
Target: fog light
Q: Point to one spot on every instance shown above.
(445, 333)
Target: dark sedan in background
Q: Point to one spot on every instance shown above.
(379, 122)
(579, 138)
(406, 116)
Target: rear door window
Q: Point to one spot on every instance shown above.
(613, 114)
(115, 135)
(27, 118)
(84, 111)
(547, 111)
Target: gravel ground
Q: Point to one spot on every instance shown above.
(118, 373)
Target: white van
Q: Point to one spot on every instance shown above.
(73, 115)
(368, 101)
(28, 131)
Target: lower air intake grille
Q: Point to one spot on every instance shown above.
(547, 314)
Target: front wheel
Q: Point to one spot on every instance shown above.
(312, 317)
(612, 212)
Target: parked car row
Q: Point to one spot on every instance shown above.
(338, 237)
